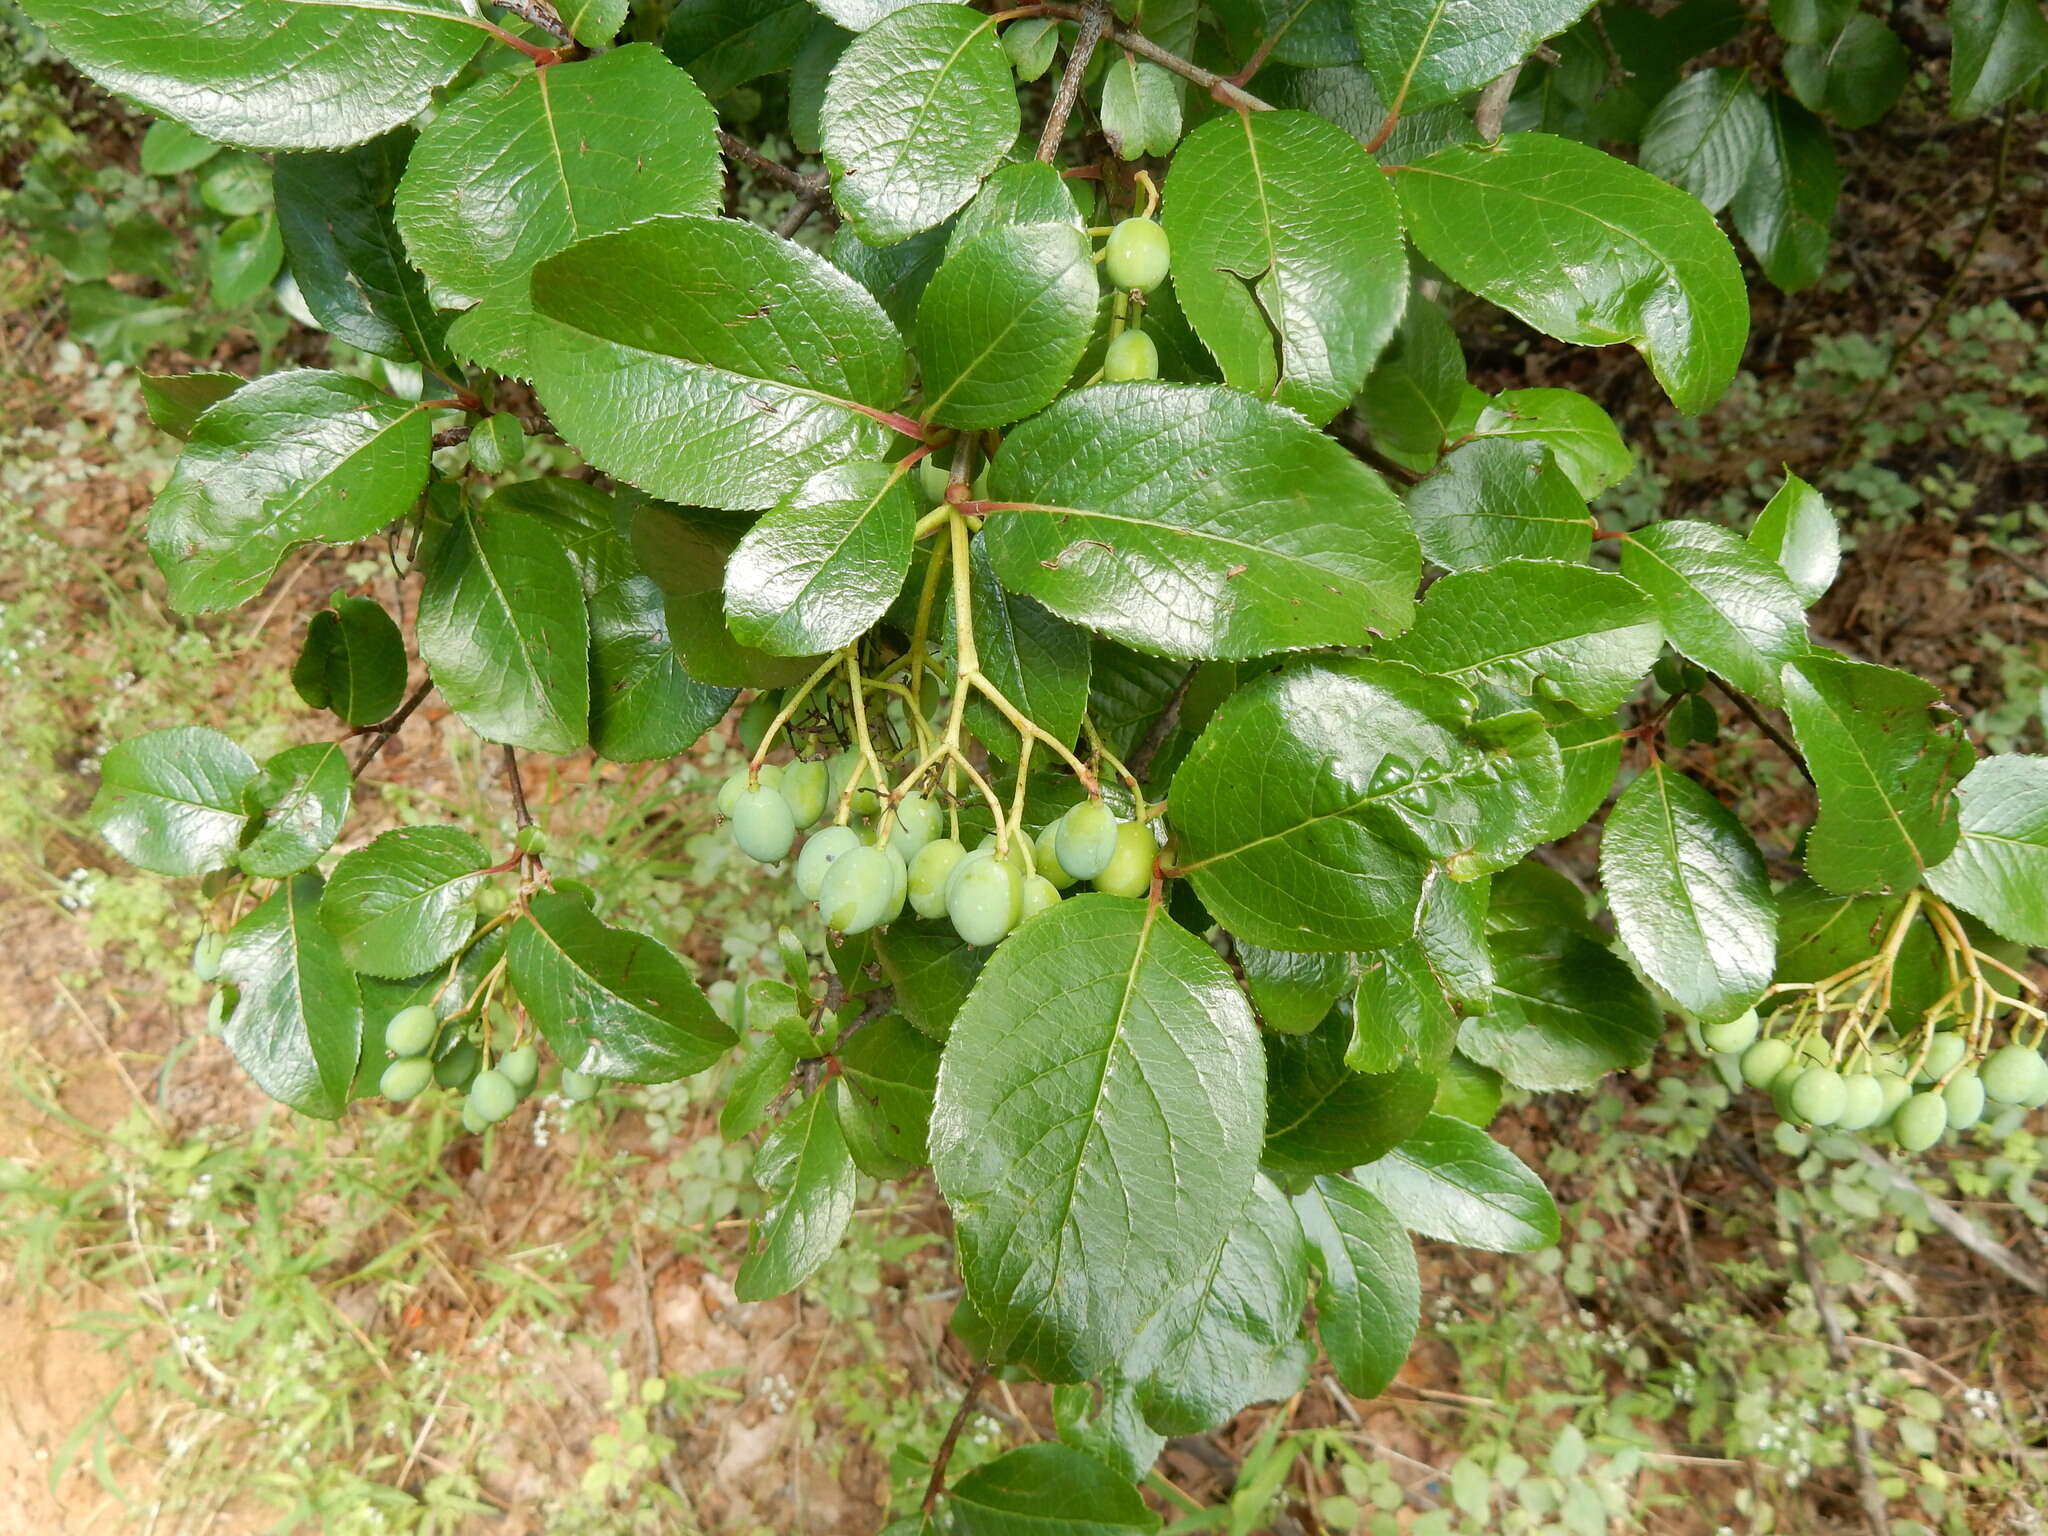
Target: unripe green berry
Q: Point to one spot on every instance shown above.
(1045, 855)
(917, 822)
(579, 1086)
(849, 768)
(755, 719)
(1736, 1034)
(985, 899)
(1964, 1095)
(1944, 1052)
(1039, 894)
(855, 892)
(729, 793)
(406, 1078)
(206, 955)
(1137, 255)
(899, 887)
(929, 872)
(492, 1096)
(472, 1121)
(530, 839)
(520, 1066)
(1862, 1102)
(492, 900)
(1920, 1122)
(1818, 1096)
(411, 1031)
(805, 787)
(822, 849)
(1896, 1089)
(762, 825)
(2012, 1073)
(1086, 839)
(1764, 1060)
(458, 1068)
(1129, 870)
(1132, 355)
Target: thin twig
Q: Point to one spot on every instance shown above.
(800, 215)
(937, 1485)
(1845, 441)
(1755, 717)
(520, 813)
(1492, 110)
(538, 13)
(802, 183)
(383, 733)
(1225, 92)
(1094, 17)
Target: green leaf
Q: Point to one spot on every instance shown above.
(171, 801)
(528, 161)
(1040, 1489)
(1728, 606)
(1322, 1117)
(1453, 1182)
(1703, 136)
(1450, 933)
(1369, 1289)
(503, 630)
(1565, 1013)
(1311, 807)
(297, 1025)
(685, 552)
(819, 569)
(1309, 33)
(405, 904)
(1193, 521)
(1583, 437)
(1999, 869)
(1421, 52)
(1785, 211)
(726, 43)
(296, 457)
(808, 74)
(805, 1164)
(1691, 898)
(897, 275)
(1141, 107)
(1098, 1112)
(1285, 235)
(919, 109)
(1400, 1015)
(174, 400)
(1586, 249)
(1116, 1433)
(1038, 662)
(244, 261)
(1003, 322)
(351, 267)
(593, 23)
(269, 74)
(704, 360)
(611, 1002)
(1820, 934)
(756, 1083)
(1413, 393)
(1797, 530)
(1886, 757)
(2000, 46)
(300, 801)
(1538, 628)
(932, 970)
(1031, 192)
(1852, 77)
(1591, 750)
(887, 1074)
(643, 704)
(1230, 1335)
(1499, 498)
(1809, 21)
(1292, 993)
(170, 147)
(352, 661)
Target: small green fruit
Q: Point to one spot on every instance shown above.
(411, 1031)
(1086, 839)
(579, 1086)
(804, 787)
(492, 1096)
(1137, 255)
(1896, 1090)
(916, 823)
(855, 892)
(1764, 1060)
(1862, 1102)
(492, 900)
(1944, 1052)
(1818, 1096)
(1045, 855)
(755, 719)
(1129, 871)
(2013, 1073)
(530, 839)
(1920, 1121)
(520, 1066)
(1964, 1095)
(762, 825)
(458, 1068)
(1039, 894)
(1132, 356)
(406, 1078)
(206, 955)
(473, 1122)
(822, 849)
(985, 899)
(928, 874)
(1736, 1034)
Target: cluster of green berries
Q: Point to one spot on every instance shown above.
(1881, 1088)
(864, 872)
(490, 1092)
(1136, 258)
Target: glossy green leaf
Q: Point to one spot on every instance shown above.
(1003, 322)
(1728, 606)
(1453, 1182)
(1785, 211)
(1400, 1014)
(244, 261)
(824, 564)
(1589, 250)
(706, 361)
(352, 661)
(269, 74)
(1114, 1433)
(1450, 933)
(611, 1002)
(1310, 808)
(1291, 992)
(1495, 499)
(1582, 437)
(1886, 757)
(756, 1083)
(174, 400)
(1422, 52)
(643, 704)
(1368, 1286)
(808, 73)
(297, 1025)
(932, 970)
(170, 147)
(1797, 530)
(1411, 397)
(293, 458)
(1703, 136)
(503, 629)
(726, 43)
(1038, 662)
(593, 23)
(887, 1074)
(2000, 46)
(405, 904)
(1999, 869)
(1538, 628)
(804, 1163)
(1192, 521)
(1230, 1334)
(351, 267)
(896, 275)
(1565, 1013)
(1820, 934)
(526, 162)
(685, 552)
(1591, 751)
(1141, 107)
(1322, 1117)
(1098, 1112)
(1287, 255)
(1030, 192)
(1691, 898)
(300, 800)
(920, 108)
(1852, 77)
(171, 801)
(1036, 1490)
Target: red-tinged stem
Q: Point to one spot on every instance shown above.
(894, 421)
